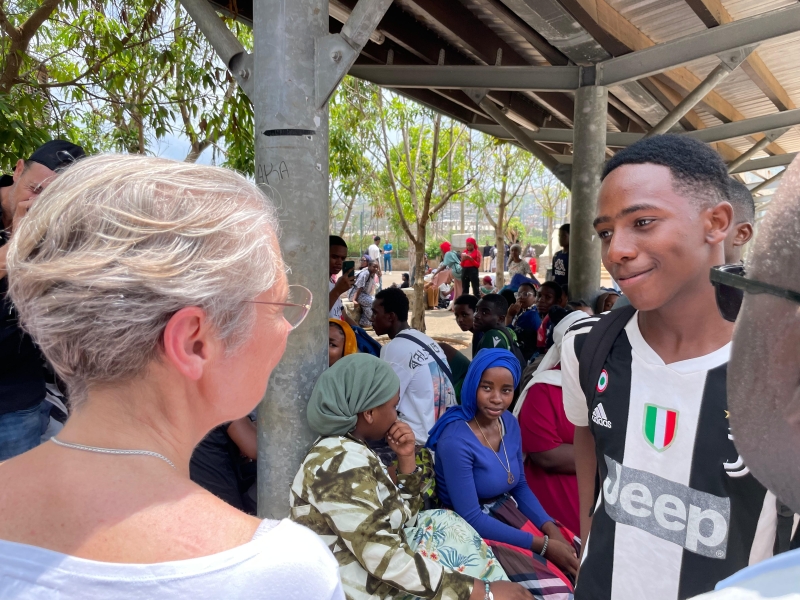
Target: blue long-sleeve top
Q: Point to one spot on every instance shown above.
(467, 471)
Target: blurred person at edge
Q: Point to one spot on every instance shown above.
(157, 291)
(24, 412)
(763, 388)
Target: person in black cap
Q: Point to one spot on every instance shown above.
(24, 413)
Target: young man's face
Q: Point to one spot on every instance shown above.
(656, 241)
(526, 296)
(563, 239)
(381, 320)
(338, 254)
(547, 300)
(464, 315)
(484, 318)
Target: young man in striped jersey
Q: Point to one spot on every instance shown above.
(763, 384)
(676, 510)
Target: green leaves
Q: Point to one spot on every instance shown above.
(120, 75)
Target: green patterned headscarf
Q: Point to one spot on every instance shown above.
(352, 385)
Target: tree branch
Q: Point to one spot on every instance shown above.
(20, 38)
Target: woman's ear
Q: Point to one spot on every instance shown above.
(368, 416)
(188, 343)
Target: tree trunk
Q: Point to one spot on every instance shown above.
(501, 245)
(418, 308)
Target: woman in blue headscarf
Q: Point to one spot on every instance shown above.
(480, 475)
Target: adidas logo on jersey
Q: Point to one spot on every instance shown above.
(599, 416)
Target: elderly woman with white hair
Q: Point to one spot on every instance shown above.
(157, 291)
(516, 264)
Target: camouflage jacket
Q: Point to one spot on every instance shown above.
(343, 493)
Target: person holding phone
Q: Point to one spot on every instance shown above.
(338, 263)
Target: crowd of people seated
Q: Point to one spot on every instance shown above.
(436, 474)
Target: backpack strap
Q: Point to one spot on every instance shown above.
(596, 349)
(442, 365)
(598, 344)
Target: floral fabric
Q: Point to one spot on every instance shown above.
(442, 536)
(345, 494)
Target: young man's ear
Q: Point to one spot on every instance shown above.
(744, 233)
(719, 221)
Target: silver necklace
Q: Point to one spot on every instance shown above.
(507, 469)
(113, 451)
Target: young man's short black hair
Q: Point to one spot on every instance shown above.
(564, 228)
(509, 296)
(377, 238)
(698, 171)
(495, 303)
(335, 240)
(744, 207)
(552, 285)
(394, 300)
(466, 300)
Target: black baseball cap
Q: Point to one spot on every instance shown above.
(57, 154)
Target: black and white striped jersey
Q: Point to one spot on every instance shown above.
(678, 511)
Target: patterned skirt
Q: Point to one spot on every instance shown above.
(542, 578)
(443, 536)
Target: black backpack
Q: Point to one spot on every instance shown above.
(598, 344)
(596, 348)
(513, 346)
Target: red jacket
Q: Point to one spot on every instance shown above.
(474, 259)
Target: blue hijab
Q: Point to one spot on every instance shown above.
(487, 358)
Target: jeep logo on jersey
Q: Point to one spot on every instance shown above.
(679, 514)
(602, 383)
(660, 425)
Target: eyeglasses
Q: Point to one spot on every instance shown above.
(524, 294)
(296, 307)
(730, 285)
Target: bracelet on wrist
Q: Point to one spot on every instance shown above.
(544, 546)
(489, 595)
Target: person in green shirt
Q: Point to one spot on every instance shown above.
(490, 317)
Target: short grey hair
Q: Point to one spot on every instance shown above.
(517, 246)
(116, 245)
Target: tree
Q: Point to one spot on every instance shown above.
(352, 130)
(114, 75)
(548, 192)
(506, 174)
(422, 172)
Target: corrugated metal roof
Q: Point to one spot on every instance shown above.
(665, 20)
(531, 38)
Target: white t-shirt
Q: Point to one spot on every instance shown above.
(777, 579)
(283, 560)
(425, 391)
(374, 252)
(338, 307)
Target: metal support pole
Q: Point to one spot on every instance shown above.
(767, 182)
(292, 167)
(479, 97)
(225, 44)
(727, 65)
(769, 137)
(591, 104)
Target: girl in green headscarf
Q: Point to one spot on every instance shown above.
(385, 546)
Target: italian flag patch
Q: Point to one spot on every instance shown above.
(660, 425)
